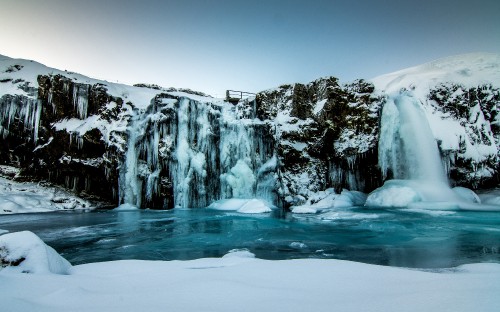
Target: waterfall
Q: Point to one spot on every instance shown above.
(205, 151)
(130, 186)
(407, 147)
(408, 153)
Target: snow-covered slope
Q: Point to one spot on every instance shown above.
(236, 282)
(460, 96)
(469, 70)
(17, 74)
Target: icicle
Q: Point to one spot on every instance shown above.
(152, 184)
(80, 100)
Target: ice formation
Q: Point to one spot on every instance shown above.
(205, 150)
(27, 253)
(152, 147)
(407, 148)
(409, 154)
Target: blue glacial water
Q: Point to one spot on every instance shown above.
(407, 238)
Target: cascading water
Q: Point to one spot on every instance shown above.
(407, 147)
(408, 153)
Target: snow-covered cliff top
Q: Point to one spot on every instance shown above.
(467, 69)
(14, 73)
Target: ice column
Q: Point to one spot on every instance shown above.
(407, 146)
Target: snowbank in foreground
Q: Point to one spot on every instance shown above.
(24, 252)
(18, 197)
(240, 282)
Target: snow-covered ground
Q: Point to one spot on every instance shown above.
(236, 282)
(16, 197)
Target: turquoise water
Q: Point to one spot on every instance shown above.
(408, 238)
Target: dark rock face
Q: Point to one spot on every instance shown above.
(84, 164)
(285, 146)
(326, 136)
(475, 162)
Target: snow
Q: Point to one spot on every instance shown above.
(139, 97)
(24, 252)
(490, 197)
(242, 205)
(27, 197)
(420, 195)
(328, 200)
(240, 282)
(470, 139)
(392, 195)
(319, 106)
(469, 70)
(466, 194)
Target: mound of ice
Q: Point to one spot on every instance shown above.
(320, 201)
(467, 195)
(242, 205)
(239, 253)
(490, 197)
(419, 195)
(126, 207)
(393, 194)
(328, 199)
(24, 252)
(350, 199)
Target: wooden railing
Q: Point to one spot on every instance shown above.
(235, 96)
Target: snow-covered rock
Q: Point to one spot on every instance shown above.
(160, 148)
(461, 98)
(16, 197)
(24, 252)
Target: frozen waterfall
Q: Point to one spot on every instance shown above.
(186, 153)
(407, 147)
(408, 153)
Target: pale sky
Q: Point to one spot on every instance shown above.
(212, 46)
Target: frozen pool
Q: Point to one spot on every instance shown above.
(409, 238)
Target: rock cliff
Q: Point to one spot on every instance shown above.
(160, 148)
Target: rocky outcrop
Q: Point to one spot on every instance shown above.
(161, 148)
(83, 161)
(472, 115)
(326, 136)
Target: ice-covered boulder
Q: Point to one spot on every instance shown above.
(405, 193)
(392, 195)
(25, 252)
(350, 199)
(467, 195)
